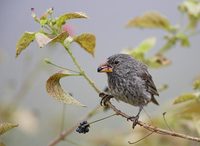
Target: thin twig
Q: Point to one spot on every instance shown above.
(141, 138)
(166, 121)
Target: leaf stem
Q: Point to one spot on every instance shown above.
(82, 72)
(102, 119)
(58, 66)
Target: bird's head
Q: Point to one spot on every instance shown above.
(117, 64)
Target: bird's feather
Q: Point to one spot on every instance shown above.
(150, 86)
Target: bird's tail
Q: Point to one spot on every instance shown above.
(154, 100)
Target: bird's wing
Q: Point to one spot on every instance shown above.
(151, 88)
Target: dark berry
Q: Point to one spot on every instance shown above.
(83, 127)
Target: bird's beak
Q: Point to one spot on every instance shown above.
(104, 68)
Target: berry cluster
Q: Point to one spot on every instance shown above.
(83, 127)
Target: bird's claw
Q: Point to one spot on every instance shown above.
(134, 119)
(105, 98)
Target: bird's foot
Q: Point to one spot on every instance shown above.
(134, 119)
(105, 98)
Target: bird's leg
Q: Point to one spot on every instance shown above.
(105, 98)
(135, 118)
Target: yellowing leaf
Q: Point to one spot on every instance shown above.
(146, 45)
(86, 41)
(61, 19)
(150, 20)
(4, 127)
(143, 47)
(24, 42)
(55, 90)
(60, 38)
(185, 97)
(42, 39)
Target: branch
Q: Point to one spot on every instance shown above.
(153, 128)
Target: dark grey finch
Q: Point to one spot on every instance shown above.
(129, 81)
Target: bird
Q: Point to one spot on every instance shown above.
(129, 81)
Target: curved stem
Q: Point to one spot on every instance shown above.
(81, 70)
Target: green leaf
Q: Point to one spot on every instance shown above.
(196, 85)
(87, 41)
(184, 40)
(4, 127)
(24, 42)
(63, 18)
(157, 61)
(42, 39)
(186, 97)
(43, 21)
(192, 7)
(150, 20)
(143, 47)
(55, 90)
(140, 51)
(146, 45)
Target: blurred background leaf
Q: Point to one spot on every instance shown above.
(150, 20)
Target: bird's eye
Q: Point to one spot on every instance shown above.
(116, 62)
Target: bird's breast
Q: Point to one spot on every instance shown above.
(126, 90)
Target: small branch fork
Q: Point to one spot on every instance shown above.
(150, 127)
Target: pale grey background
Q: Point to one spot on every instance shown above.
(106, 20)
